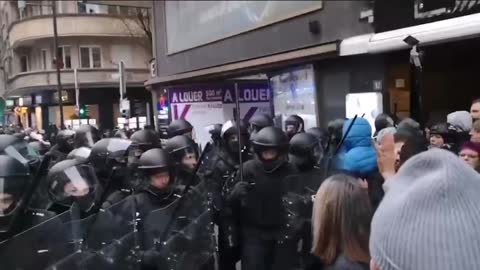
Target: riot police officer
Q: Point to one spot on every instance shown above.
(294, 124)
(184, 154)
(159, 177)
(64, 142)
(143, 140)
(321, 135)
(73, 182)
(15, 181)
(221, 169)
(180, 127)
(109, 157)
(306, 154)
(257, 122)
(258, 200)
(86, 135)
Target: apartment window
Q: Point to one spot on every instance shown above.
(43, 54)
(90, 57)
(24, 63)
(88, 8)
(65, 56)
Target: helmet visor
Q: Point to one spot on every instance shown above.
(22, 152)
(73, 182)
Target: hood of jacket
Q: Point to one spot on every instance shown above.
(360, 157)
(460, 119)
(360, 134)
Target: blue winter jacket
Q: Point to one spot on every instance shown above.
(358, 156)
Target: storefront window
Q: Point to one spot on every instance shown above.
(294, 93)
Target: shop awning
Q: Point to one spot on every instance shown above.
(430, 33)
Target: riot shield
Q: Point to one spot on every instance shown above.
(39, 246)
(108, 240)
(298, 203)
(181, 236)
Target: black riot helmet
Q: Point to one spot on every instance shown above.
(215, 131)
(294, 124)
(184, 152)
(259, 121)
(146, 139)
(159, 171)
(179, 127)
(305, 151)
(40, 147)
(271, 147)
(65, 140)
(229, 136)
(86, 135)
(15, 179)
(320, 134)
(71, 181)
(109, 154)
(335, 130)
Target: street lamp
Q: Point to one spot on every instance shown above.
(22, 4)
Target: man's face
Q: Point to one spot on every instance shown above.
(475, 136)
(78, 189)
(190, 161)
(269, 154)
(475, 111)
(160, 180)
(436, 140)
(290, 129)
(470, 157)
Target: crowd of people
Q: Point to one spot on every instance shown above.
(402, 197)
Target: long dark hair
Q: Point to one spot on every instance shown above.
(342, 214)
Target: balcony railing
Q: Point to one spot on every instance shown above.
(42, 8)
(27, 82)
(27, 31)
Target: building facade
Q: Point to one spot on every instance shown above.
(93, 39)
(319, 56)
(293, 45)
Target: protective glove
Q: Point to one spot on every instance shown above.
(239, 191)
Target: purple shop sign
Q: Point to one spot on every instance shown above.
(196, 94)
(249, 93)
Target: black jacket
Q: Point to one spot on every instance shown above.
(262, 208)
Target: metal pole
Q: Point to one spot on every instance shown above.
(238, 120)
(57, 56)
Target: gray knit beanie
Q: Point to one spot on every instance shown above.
(430, 217)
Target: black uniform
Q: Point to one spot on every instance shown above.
(220, 169)
(306, 154)
(258, 202)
